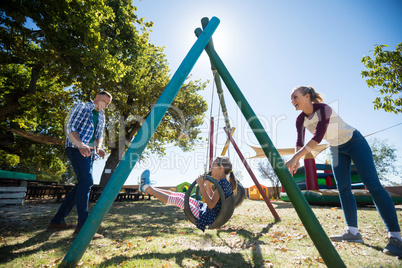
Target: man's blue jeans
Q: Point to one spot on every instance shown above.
(79, 195)
(358, 150)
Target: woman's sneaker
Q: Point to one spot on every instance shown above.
(145, 180)
(394, 247)
(347, 236)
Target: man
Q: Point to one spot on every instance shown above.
(84, 138)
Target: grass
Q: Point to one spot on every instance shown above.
(149, 233)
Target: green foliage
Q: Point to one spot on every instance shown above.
(385, 71)
(48, 162)
(54, 53)
(8, 160)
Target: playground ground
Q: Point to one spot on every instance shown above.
(148, 233)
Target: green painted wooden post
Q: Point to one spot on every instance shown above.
(217, 79)
(303, 209)
(136, 148)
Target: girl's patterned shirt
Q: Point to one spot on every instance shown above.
(207, 215)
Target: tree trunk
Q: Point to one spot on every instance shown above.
(111, 164)
(117, 153)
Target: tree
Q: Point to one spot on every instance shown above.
(385, 72)
(385, 159)
(268, 173)
(54, 53)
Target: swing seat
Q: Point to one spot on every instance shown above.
(240, 195)
(227, 205)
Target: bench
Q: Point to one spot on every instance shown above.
(13, 187)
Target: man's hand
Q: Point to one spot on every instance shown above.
(85, 150)
(101, 152)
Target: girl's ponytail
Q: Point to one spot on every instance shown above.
(232, 180)
(224, 162)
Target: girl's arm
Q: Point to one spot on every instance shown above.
(293, 163)
(211, 201)
(208, 187)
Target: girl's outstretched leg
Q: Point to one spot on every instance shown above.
(158, 193)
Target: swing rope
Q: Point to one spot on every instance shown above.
(207, 161)
(217, 130)
(227, 203)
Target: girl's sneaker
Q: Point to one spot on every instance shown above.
(145, 180)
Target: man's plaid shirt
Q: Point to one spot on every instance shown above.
(81, 121)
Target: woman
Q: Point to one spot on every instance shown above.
(346, 144)
(204, 213)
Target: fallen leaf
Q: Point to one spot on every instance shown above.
(123, 263)
(195, 257)
(206, 258)
(319, 259)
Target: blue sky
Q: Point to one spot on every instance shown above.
(270, 47)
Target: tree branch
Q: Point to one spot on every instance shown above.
(36, 137)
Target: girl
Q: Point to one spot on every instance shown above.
(346, 144)
(204, 213)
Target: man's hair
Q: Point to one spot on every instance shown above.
(104, 92)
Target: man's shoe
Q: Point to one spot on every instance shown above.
(347, 236)
(96, 235)
(394, 247)
(59, 226)
(145, 180)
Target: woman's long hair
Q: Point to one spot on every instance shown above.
(314, 96)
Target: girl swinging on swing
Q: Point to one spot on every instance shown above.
(204, 213)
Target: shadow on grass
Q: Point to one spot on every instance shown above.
(380, 249)
(142, 219)
(11, 252)
(251, 239)
(207, 257)
(124, 220)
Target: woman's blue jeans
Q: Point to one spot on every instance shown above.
(79, 195)
(358, 150)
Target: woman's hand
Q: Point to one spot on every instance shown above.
(293, 164)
